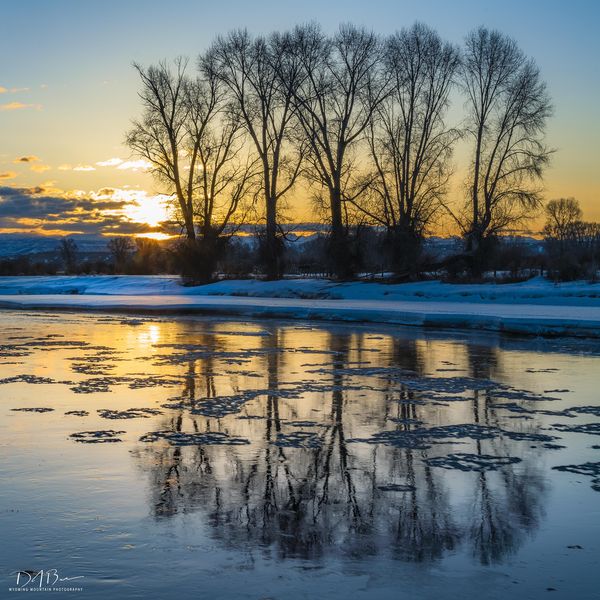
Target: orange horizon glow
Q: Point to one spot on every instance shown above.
(155, 235)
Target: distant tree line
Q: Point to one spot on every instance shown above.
(361, 121)
(569, 249)
(572, 244)
(122, 255)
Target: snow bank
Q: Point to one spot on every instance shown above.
(536, 307)
(537, 291)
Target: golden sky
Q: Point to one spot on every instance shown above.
(66, 100)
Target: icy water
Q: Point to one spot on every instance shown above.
(219, 459)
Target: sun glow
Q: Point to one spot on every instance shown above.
(154, 235)
(137, 206)
(151, 210)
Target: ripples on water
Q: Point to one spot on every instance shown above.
(219, 459)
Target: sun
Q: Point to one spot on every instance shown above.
(137, 206)
(150, 210)
(154, 235)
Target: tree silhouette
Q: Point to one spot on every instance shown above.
(339, 87)
(508, 108)
(250, 68)
(409, 143)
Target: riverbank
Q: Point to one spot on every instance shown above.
(535, 307)
(538, 291)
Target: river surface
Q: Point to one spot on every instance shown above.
(186, 457)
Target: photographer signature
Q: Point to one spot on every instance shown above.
(43, 578)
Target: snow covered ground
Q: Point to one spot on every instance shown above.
(536, 307)
(534, 291)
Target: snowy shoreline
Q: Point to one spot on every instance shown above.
(536, 307)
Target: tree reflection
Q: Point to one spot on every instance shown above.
(506, 504)
(331, 497)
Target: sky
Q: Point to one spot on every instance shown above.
(68, 93)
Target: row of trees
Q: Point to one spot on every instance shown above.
(572, 244)
(360, 121)
(570, 250)
(123, 255)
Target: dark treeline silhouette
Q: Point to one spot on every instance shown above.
(572, 245)
(121, 255)
(570, 250)
(361, 122)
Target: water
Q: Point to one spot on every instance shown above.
(292, 460)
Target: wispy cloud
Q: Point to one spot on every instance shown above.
(135, 165)
(26, 159)
(80, 167)
(5, 90)
(125, 165)
(40, 168)
(8, 175)
(111, 162)
(19, 106)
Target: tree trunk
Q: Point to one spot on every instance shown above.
(342, 263)
(476, 251)
(475, 235)
(190, 232)
(272, 258)
(188, 217)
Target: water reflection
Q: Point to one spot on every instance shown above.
(257, 455)
(307, 485)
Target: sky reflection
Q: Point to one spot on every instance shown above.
(252, 454)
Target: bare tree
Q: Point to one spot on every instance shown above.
(225, 171)
(163, 135)
(250, 69)
(338, 89)
(508, 107)
(572, 245)
(195, 143)
(149, 257)
(562, 217)
(68, 251)
(121, 249)
(410, 144)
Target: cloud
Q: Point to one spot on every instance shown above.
(8, 175)
(135, 165)
(125, 165)
(5, 90)
(109, 211)
(40, 168)
(65, 167)
(26, 159)
(111, 162)
(49, 186)
(35, 203)
(106, 192)
(84, 168)
(19, 106)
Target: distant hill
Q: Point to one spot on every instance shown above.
(43, 246)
